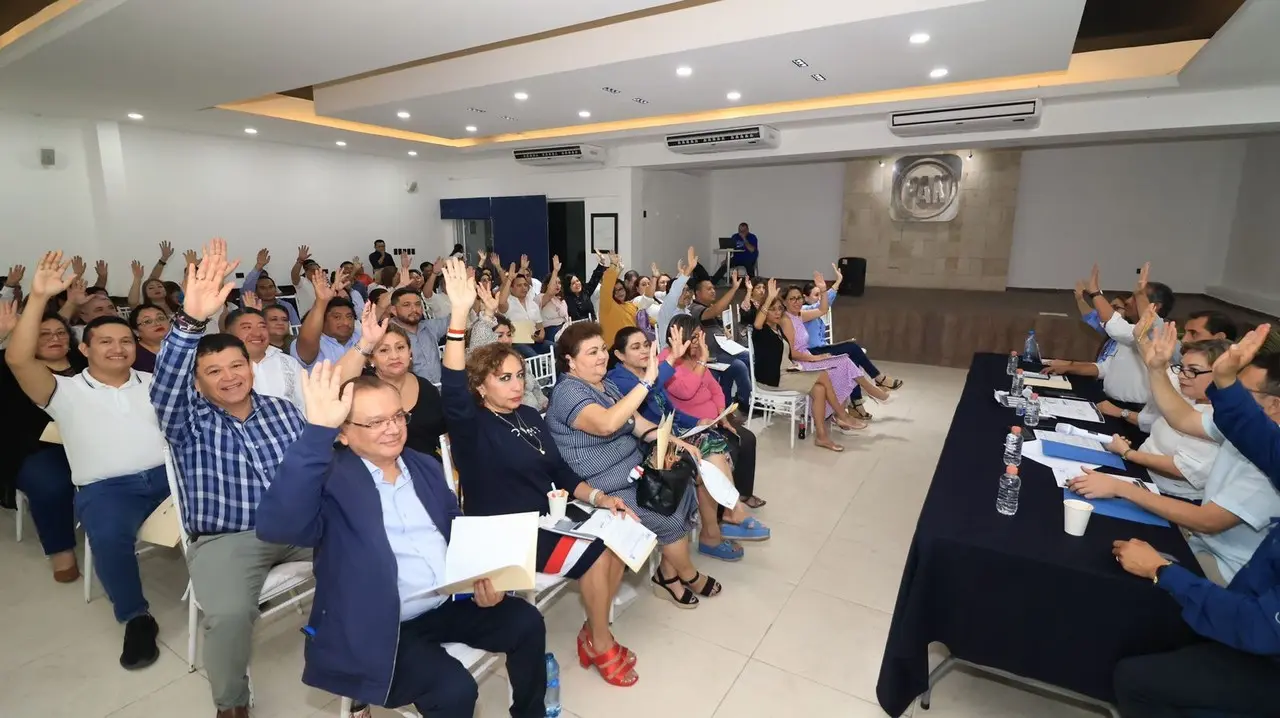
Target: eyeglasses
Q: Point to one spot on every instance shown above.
(153, 322)
(1189, 372)
(400, 418)
(50, 336)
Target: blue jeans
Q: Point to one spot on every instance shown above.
(739, 374)
(533, 350)
(112, 511)
(45, 477)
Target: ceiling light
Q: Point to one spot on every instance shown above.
(413, 153)
(250, 131)
(734, 96)
(403, 115)
(584, 114)
(521, 95)
(938, 72)
(684, 71)
(919, 38)
(471, 128)
(340, 143)
(611, 90)
(135, 116)
(799, 62)
(819, 77)
(640, 100)
(509, 118)
(477, 109)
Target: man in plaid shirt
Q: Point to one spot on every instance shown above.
(228, 441)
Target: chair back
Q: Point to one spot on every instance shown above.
(726, 318)
(751, 356)
(171, 473)
(541, 369)
(446, 460)
(294, 328)
(829, 333)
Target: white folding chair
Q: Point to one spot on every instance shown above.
(829, 334)
(294, 328)
(284, 579)
(20, 503)
(772, 401)
(541, 369)
(124, 311)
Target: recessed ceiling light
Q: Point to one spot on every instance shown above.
(640, 100)
(819, 77)
(522, 95)
(612, 90)
(413, 153)
(684, 71)
(250, 131)
(403, 115)
(584, 114)
(135, 116)
(938, 72)
(340, 143)
(919, 38)
(799, 62)
(734, 96)
(508, 118)
(477, 109)
(471, 128)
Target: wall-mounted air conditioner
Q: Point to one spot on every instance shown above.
(755, 137)
(580, 155)
(1018, 115)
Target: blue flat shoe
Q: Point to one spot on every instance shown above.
(724, 551)
(749, 530)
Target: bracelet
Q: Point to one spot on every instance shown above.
(646, 385)
(366, 353)
(163, 261)
(645, 434)
(591, 497)
(452, 338)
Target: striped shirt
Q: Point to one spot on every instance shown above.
(225, 465)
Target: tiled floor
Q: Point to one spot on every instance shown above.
(798, 631)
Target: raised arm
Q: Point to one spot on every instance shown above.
(770, 297)
(307, 346)
(596, 420)
(1100, 303)
(670, 304)
(32, 375)
(824, 301)
(166, 251)
(135, 289)
(1237, 415)
(723, 301)
(100, 269)
(295, 272)
(607, 282)
(504, 294)
(1140, 298)
(429, 281)
(589, 286)
(77, 296)
(1157, 349)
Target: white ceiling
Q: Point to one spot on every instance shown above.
(973, 41)
(1243, 51)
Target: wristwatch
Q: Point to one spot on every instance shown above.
(1125, 414)
(1093, 295)
(1155, 578)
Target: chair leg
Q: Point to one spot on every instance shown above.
(193, 628)
(791, 416)
(88, 570)
(344, 708)
(20, 500)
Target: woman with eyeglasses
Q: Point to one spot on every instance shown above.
(150, 324)
(38, 469)
(1179, 464)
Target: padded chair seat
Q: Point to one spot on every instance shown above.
(284, 577)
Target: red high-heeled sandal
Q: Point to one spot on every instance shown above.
(584, 636)
(616, 665)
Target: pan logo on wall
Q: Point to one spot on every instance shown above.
(926, 188)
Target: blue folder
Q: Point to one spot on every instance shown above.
(1118, 509)
(1071, 452)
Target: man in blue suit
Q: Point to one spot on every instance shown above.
(379, 517)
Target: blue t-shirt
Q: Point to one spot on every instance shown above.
(741, 244)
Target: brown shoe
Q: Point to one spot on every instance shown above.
(238, 712)
(67, 575)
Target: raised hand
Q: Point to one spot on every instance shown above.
(616, 259)
(78, 266)
(772, 290)
(1094, 278)
(1158, 351)
(678, 344)
(735, 281)
(1143, 275)
(435, 266)
(14, 277)
(190, 256)
(51, 276)
(651, 371)
(602, 257)
(371, 330)
(320, 280)
(77, 293)
(495, 260)
(839, 274)
(488, 299)
(404, 260)
(136, 267)
(653, 270)
(701, 338)
(749, 286)
(510, 273)
(1235, 359)
(166, 251)
(1079, 291)
(819, 281)
(480, 257)
(304, 253)
(691, 258)
(460, 290)
(264, 258)
(555, 264)
(8, 318)
(323, 398)
(207, 289)
(524, 263)
(250, 300)
(100, 269)
(1143, 328)
(681, 268)
(340, 283)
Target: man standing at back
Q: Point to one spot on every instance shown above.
(746, 253)
(228, 441)
(379, 259)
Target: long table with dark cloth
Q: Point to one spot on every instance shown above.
(1016, 593)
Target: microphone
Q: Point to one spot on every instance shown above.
(1068, 429)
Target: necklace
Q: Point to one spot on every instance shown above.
(523, 430)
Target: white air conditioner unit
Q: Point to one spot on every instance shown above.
(1019, 115)
(756, 137)
(561, 155)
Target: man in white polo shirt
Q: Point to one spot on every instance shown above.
(113, 444)
(274, 372)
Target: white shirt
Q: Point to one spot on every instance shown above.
(524, 310)
(1193, 456)
(279, 375)
(1124, 374)
(1236, 485)
(438, 306)
(305, 295)
(106, 431)
(415, 540)
(555, 312)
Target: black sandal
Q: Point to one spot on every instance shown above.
(891, 386)
(686, 599)
(753, 502)
(859, 411)
(710, 587)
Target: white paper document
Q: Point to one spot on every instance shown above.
(1083, 442)
(503, 549)
(718, 485)
(703, 427)
(730, 345)
(1032, 450)
(717, 366)
(1062, 476)
(623, 535)
(1074, 409)
(1048, 382)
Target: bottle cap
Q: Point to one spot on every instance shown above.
(1035, 395)
(1019, 371)
(1013, 354)
(1016, 429)
(1011, 469)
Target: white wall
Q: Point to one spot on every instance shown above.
(1252, 267)
(674, 214)
(1170, 203)
(795, 210)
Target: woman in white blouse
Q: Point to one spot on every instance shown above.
(555, 310)
(1179, 464)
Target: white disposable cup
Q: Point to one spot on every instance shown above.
(1075, 516)
(557, 501)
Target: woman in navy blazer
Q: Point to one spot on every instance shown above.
(374, 542)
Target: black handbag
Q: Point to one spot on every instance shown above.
(662, 490)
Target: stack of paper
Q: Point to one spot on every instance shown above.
(503, 549)
(623, 535)
(1073, 409)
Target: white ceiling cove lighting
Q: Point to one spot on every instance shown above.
(135, 116)
(521, 96)
(340, 143)
(799, 62)
(584, 114)
(403, 115)
(250, 131)
(684, 71)
(919, 38)
(413, 153)
(734, 96)
(471, 128)
(938, 73)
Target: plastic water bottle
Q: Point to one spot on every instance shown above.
(1012, 368)
(1031, 348)
(1015, 387)
(1032, 416)
(552, 700)
(1013, 447)
(1007, 496)
(1024, 399)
